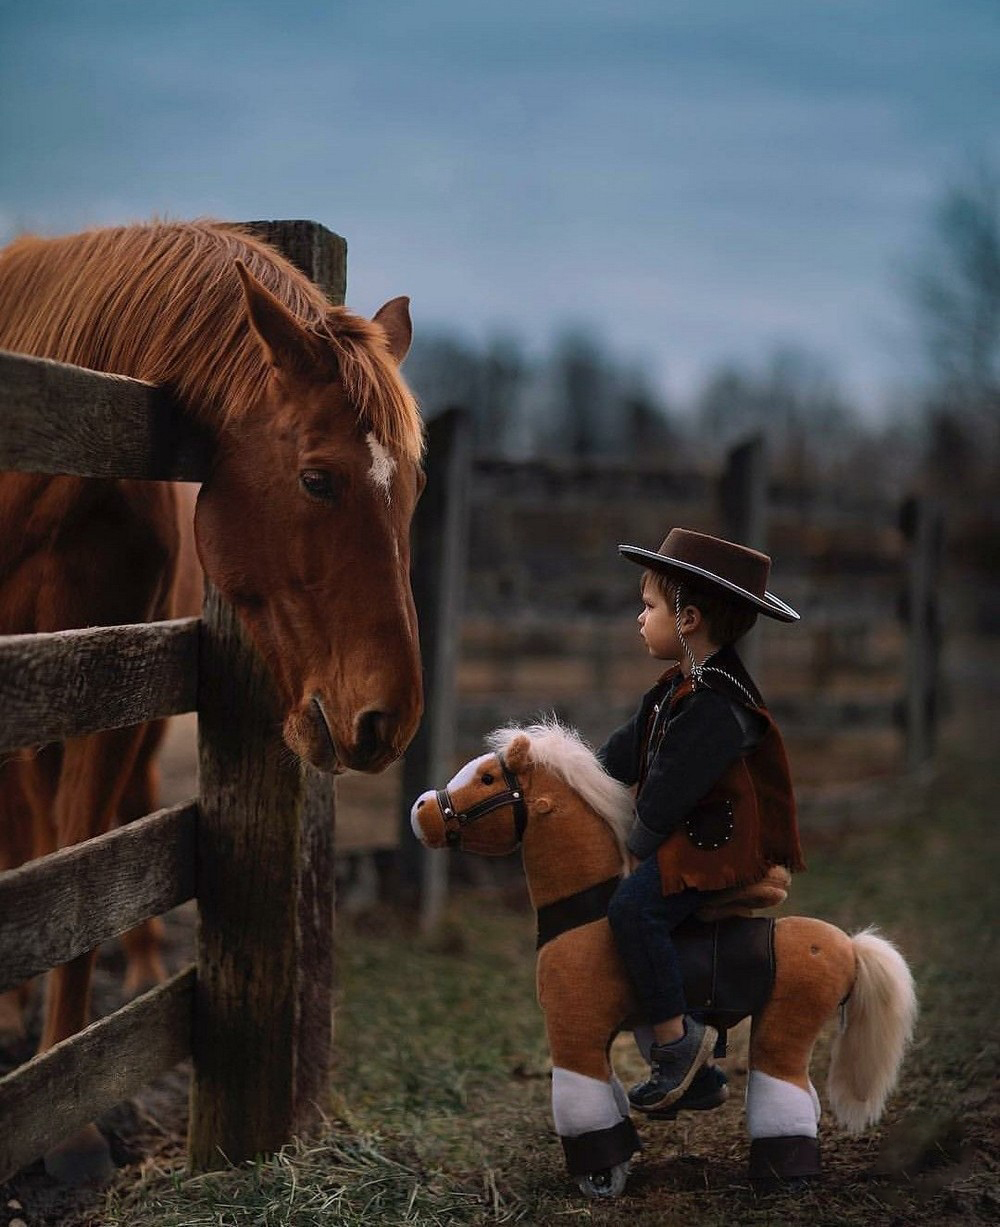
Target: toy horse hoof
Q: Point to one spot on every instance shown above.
(607, 1183)
(783, 1161)
(83, 1159)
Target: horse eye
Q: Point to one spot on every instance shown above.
(319, 483)
(487, 778)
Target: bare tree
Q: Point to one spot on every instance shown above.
(955, 290)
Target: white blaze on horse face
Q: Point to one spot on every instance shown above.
(383, 466)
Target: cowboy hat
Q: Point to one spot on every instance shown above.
(736, 570)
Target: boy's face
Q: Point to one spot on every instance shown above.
(658, 624)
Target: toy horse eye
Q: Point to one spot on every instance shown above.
(487, 778)
(319, 483)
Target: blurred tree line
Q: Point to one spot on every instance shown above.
(580, 399)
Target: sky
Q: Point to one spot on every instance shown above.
(698, 181)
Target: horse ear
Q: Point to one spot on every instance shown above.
(285, 342)
(518, 754)
(394, 318)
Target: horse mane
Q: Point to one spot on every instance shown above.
(163, 302)
(564, 751)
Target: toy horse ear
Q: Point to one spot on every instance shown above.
(518, 754)
(394, 319)
(284, 340)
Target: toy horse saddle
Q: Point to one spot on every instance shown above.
(728, 966)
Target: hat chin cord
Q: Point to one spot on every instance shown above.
(698, 671)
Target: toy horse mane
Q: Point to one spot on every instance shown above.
(563, 751)
(162, 302)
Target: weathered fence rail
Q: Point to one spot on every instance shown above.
(84, 1076)
(256, 847)
(69, 902)
(67, 683)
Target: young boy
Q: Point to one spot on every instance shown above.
(714, 806)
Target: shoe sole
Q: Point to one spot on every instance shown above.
(704, 1052)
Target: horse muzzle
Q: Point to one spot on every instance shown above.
(369, 742)
(427, 821)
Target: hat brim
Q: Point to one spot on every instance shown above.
(769, 604)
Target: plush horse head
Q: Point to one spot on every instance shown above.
(542, 787)
(302, 523)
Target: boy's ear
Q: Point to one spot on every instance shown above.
(518, 754)
(691, 618)
(540, 805)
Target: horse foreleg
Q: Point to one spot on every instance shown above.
(27, 787)
(94, 771)
(144, 942)
(93, 776)
(814, 971)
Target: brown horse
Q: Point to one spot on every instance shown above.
(542, 789)
(302, 523)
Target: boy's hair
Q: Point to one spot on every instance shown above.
(727, 619)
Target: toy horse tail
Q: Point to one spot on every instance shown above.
(878, 1019)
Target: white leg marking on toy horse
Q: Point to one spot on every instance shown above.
(779, 1109)
(462, 777)
(581, 1104)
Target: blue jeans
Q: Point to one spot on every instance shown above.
(642, 918)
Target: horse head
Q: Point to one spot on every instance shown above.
(303, 526)
(485, 806)
(540, 786)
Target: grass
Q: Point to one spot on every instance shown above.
(440, 1114)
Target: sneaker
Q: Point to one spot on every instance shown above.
(673, 1066)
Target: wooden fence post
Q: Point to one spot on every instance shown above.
(440, 537)
(263, 1004)
(922, 525)
(743, 503)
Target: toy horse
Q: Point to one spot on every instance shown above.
(540, 787)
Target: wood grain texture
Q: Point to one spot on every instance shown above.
(61, 905)
(67, 683)
(57, 418)
(64, 1088)
(313, 249)
(265, 867)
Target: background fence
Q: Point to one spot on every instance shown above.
(547, 623)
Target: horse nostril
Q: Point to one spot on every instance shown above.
(374, 731)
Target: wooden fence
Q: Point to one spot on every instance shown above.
(547, 620)
(255, 848)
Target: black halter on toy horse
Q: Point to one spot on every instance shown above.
(512, 796)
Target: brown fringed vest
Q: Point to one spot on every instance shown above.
(746, 823)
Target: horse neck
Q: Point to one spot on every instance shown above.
(567, 849)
